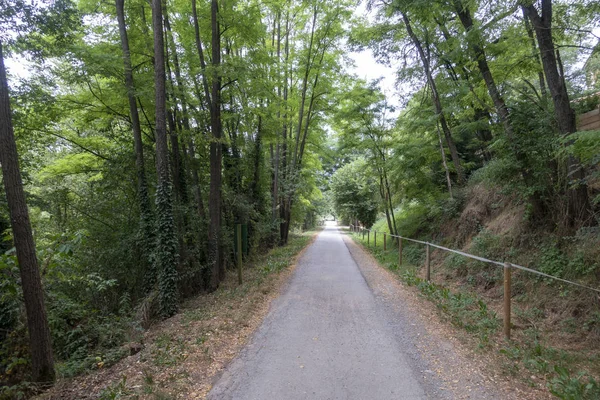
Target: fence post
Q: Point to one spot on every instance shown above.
(507, 296)
(238, 229)
(375, 238)
(368, 237)
(399, 252)
(427, 263)
(384, 241)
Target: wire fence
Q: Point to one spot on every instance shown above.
(507, 266)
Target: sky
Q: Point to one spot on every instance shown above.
(366, 67)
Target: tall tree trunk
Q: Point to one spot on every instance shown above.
(275, 159)
(388, 196)
(479, 110)
(534, 51)
(42, 361)
(285, 175)
(196, 180)
(166, 252)
(444, 163)
(179, 94)
(578, 206)
(201, 55)
(146, 218)
(214, 230)
(384, 196)
(476, 47)
(436, 101)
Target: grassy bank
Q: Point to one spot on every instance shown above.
(468, 295)
(181, 355)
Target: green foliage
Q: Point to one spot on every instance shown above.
(281, 257)
(354, 193)
(166, 253)
(566, 387)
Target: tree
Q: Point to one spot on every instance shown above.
(146, 218)
(166, 252)
(214, 230)
(353, 193)
(435, 95)
(578, 206)
(42, 360)
(362, 122)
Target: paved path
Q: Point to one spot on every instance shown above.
(325, 338)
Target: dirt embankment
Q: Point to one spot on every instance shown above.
(554, 324)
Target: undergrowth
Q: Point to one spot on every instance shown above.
(168, 351)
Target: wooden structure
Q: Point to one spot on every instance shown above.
(589, 121)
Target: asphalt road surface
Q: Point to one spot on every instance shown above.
(327, 337)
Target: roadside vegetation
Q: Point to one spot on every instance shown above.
(179, 357)
(555, 333)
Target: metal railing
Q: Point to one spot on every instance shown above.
(505, 265)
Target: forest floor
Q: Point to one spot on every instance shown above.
(182, 355)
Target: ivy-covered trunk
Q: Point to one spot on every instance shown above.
(214, 230)
(166, 249)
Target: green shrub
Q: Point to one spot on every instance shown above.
(581, 387)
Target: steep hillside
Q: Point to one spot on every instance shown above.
(555, 326)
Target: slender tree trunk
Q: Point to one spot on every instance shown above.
(436, 101)
(275, 160)
(214, 230)
(285, 175)
(479, 110)
(444, 163)
(166, 254)
(178, 93)
(464, 15)
(42, 361)
(196, 180)
(534, 51)
(146, 218)
(578, 205)
(201, 55)
(257, 164)
(384, 196)
(389, 200)
(476, 47)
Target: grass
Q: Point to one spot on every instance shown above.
(528, 357)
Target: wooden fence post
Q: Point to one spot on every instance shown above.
(368, 237)
(238, 229)
(427, 263)
(384, 241)
(507, 296)
(375, 238)
(399, 252)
